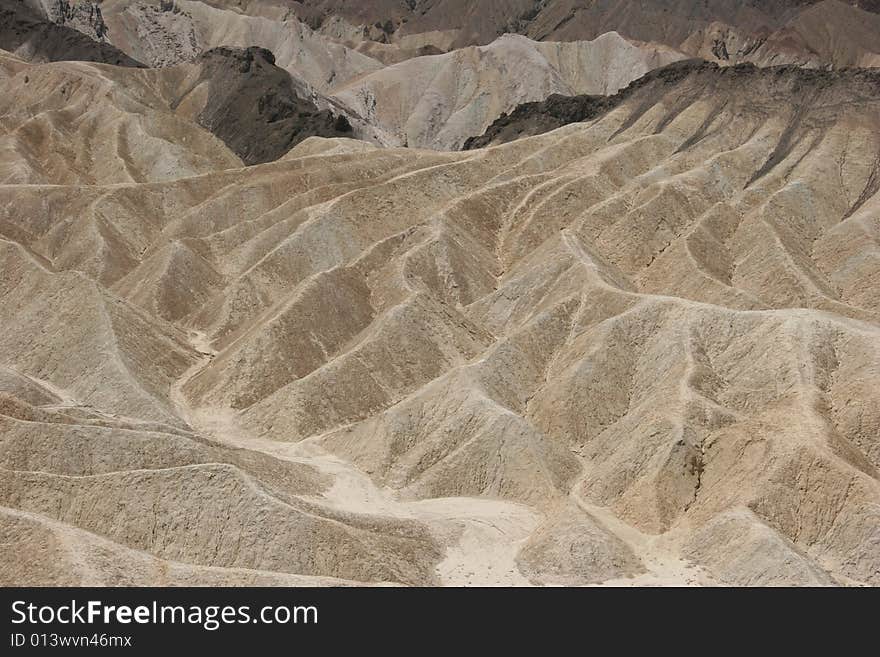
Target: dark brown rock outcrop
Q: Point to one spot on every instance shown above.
(254, 107)
(26, 33)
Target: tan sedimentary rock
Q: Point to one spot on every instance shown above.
(618, 352)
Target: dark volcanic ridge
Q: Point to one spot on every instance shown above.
(536, 118)
(29, 35)
(746, 86)
(254, 107)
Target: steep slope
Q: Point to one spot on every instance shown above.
(253, 107)
(689, 79)
(82, 15)
(156, 124)
(172, 33)
(824, 33)
(76, 122)
(536, 118)
(640, 349)
(26, 33)
(439, 101)
(814, 32)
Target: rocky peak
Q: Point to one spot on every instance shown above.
(84, 16)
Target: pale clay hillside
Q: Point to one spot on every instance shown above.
(440, 101)
(640, 347)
